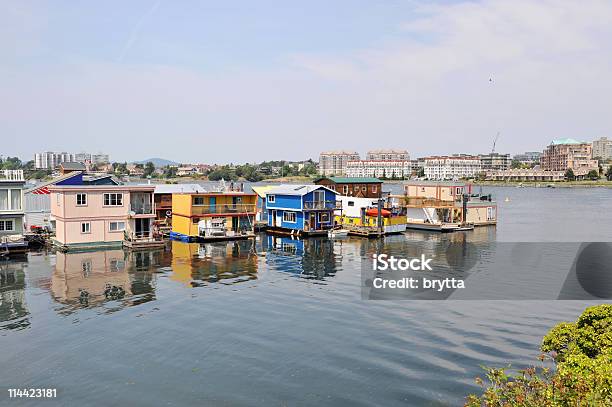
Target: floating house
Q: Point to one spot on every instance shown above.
(301, 209)
(360, 216)
(261, 216)
(360, 187)
(95, 216)
(38, 198)
(163, 200)
(11, 212)
(209, 216)
(445, 206)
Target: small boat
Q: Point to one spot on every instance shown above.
(337, 233)
(374, 212)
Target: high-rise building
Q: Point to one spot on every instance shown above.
(602, 148)
(565, 154)
(334, 162)
(49, 160)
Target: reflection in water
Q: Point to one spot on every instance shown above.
(313, 258)
(13, 308)
(91, 278)
(197, 264)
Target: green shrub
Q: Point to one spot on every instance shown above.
(581, 352)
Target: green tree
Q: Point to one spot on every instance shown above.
(582, 353)
(609, 173)
(569, 175)
(149, 169)
(593, 175)
(421, 172)
(11, 163)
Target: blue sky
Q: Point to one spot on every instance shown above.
(240, 81)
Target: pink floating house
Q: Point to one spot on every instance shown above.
(94, 216)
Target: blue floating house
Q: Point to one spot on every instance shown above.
(300, 209)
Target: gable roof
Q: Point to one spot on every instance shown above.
(352, 180)
(296, 189)
(41, 189)
(261, 190)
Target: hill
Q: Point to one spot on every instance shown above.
(158, 162)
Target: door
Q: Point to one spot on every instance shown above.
(142, 227)
(213, 204)
(273, 214)
(235, 223)
(313, 221)
(319, 198)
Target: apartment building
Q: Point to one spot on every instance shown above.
(452, 167)
(379, 168)
(568, 153)
(11, 211)
(602, 148)
(50, 160)
(528, 157)
(495, 161)
(388, 155)
(334, 162)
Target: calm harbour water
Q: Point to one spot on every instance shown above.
(274, 322)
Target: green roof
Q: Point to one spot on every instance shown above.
(567, 141)
(352, 180)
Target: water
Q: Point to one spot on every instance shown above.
(275, 322)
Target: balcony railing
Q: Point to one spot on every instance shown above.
(421, 202)
(140, 209)
(11, 175)
(320, 205)
(216, 209)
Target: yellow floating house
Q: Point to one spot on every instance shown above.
(209, 216)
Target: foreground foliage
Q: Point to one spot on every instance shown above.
(581, 353)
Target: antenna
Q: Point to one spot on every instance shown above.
(495, 142)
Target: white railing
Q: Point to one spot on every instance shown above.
(11, 175)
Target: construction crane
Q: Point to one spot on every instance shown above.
(495, 142)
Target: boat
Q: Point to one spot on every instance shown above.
(374, 212)
(335, 233)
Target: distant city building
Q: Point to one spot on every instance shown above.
(50, 160)
(379, 168)
(452, 167)
(495, 161)
(565, 154)
(531, 174)
(528, 157)
(388, 155)
(602, 148)
(334, 162)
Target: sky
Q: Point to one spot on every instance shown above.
(247, 81)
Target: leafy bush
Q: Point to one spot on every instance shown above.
(582, 354)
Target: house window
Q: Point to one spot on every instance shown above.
(112, 199)
(271, 198)
(116, 226)
(85, 227)
(81, 199)
(324, 217)
(374, 189)
(7, 226)
(345, 189)
(198, 201)
(458, 191)
(289, 217)
(4, 199)
(351, 203)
